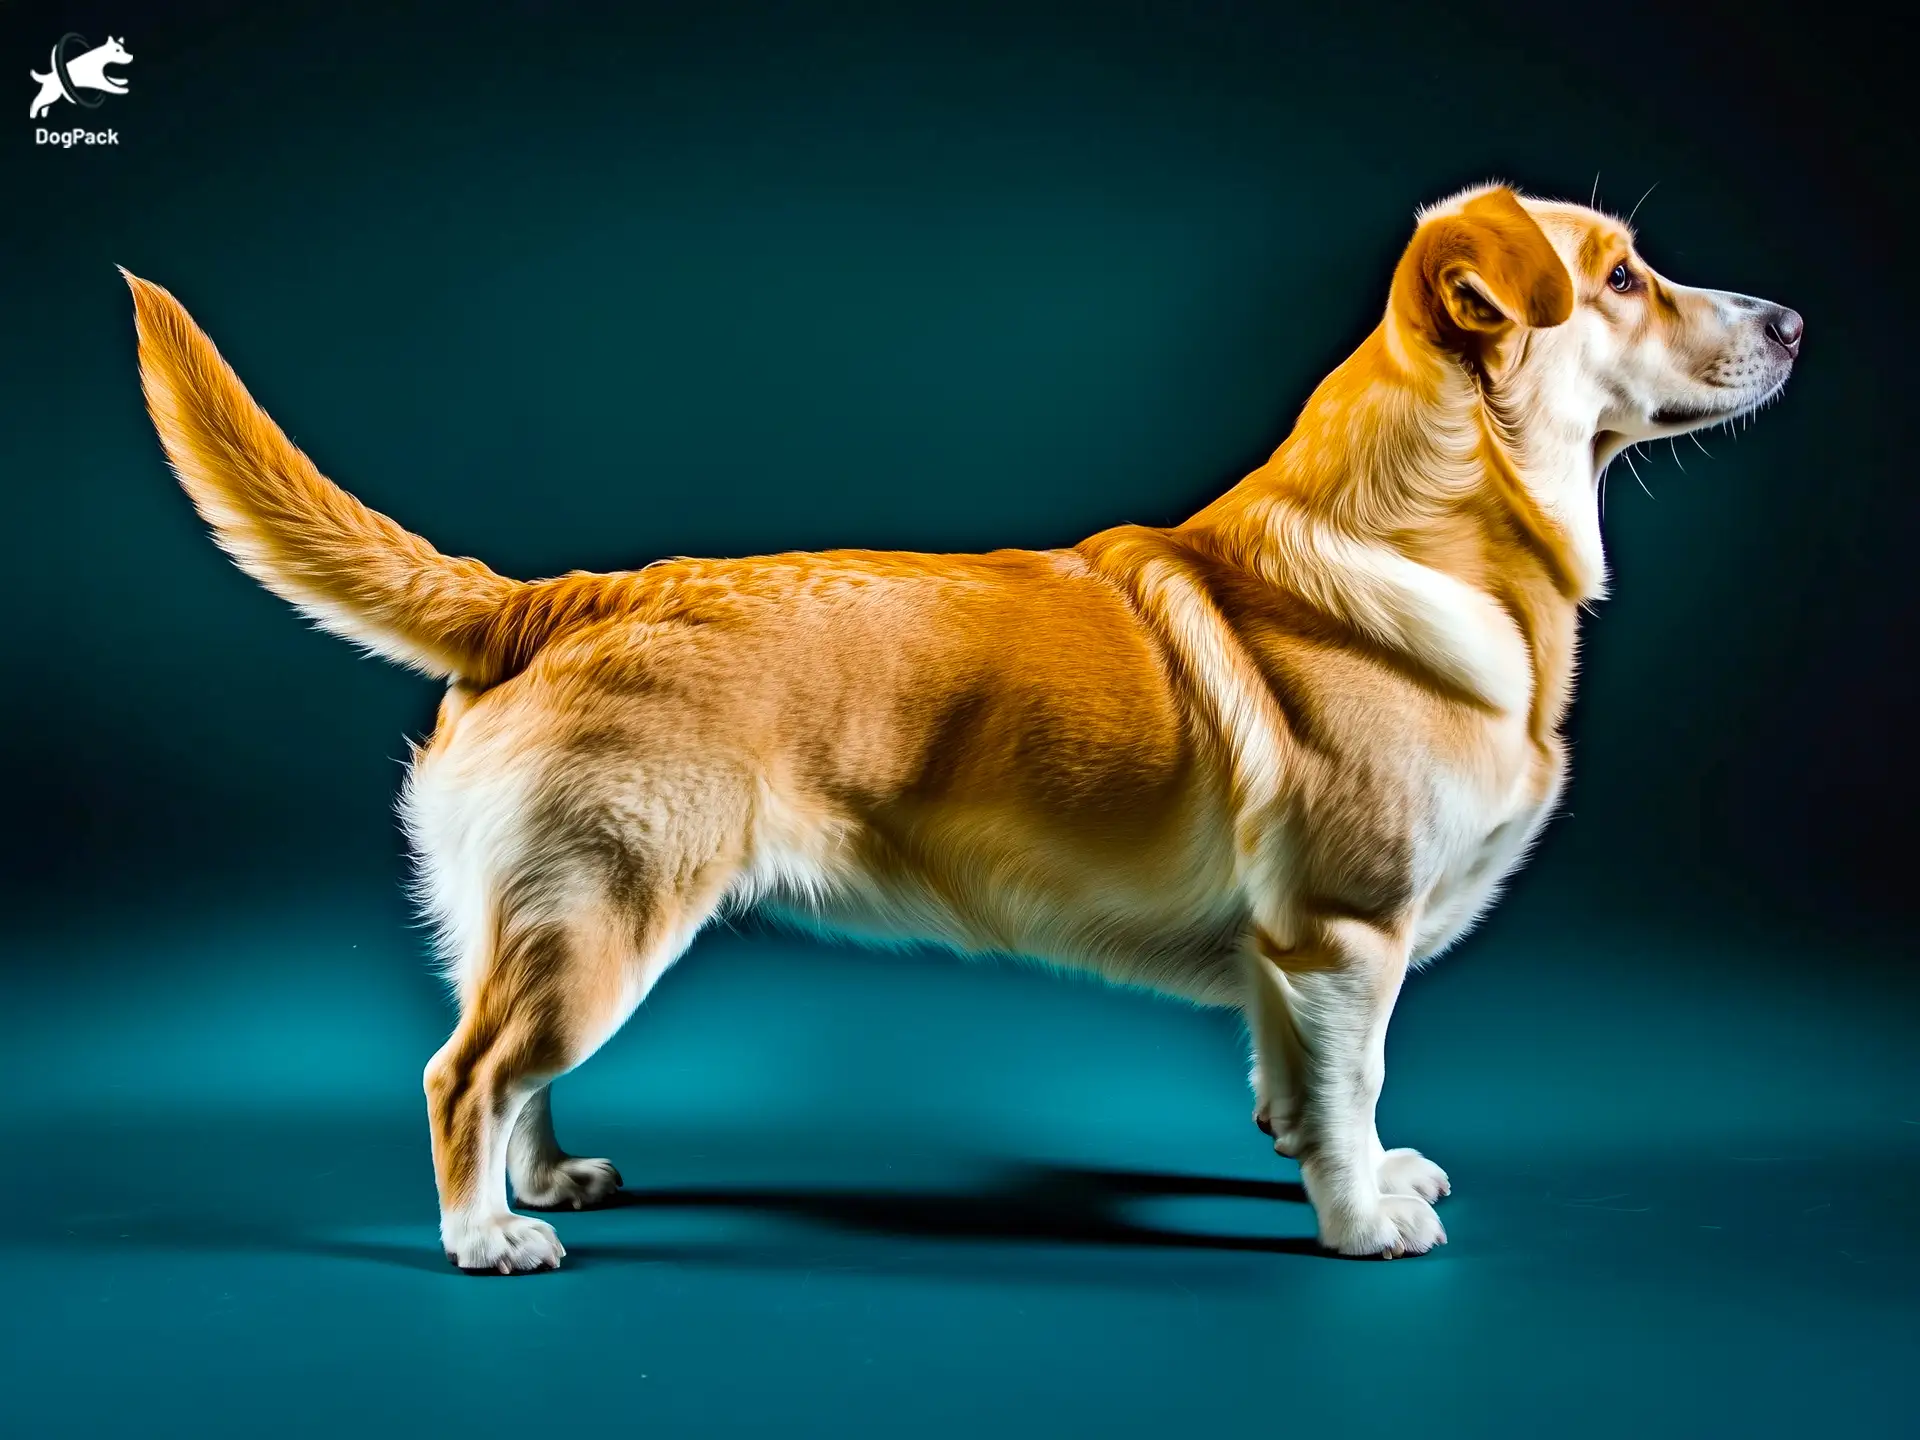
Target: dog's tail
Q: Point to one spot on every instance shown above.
(349, 568)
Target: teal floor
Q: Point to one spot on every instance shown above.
(886, 1195)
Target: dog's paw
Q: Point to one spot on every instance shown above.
(1398, 1225)
(1408, 1172)
(569, 1184)
(1284, 1141)
(503, 1244)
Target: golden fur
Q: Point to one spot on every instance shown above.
(1267, 758)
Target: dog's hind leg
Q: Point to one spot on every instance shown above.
(544, 1176)
(554, 986)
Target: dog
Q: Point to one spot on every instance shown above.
(1269, 758)
(88, 71)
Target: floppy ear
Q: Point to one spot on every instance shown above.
(1473, 274)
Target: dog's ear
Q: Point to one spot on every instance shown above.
(1472, 274)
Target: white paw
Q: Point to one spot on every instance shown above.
(569, 1184)
(1399, 1225)
(1408, 1172)
(510, 1244)
(1285, 1142)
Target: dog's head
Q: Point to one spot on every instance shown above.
(114, 52)
(1554, 306)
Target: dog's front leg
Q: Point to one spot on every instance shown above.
(1276, 1055)
(1324, 1003)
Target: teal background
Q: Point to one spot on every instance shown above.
(585, 285)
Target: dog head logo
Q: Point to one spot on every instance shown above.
(75, 71)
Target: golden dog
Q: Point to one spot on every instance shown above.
(1268, 758)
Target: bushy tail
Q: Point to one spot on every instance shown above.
(350, 568)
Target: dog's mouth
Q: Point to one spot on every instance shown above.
(1687, 417)
(1677, 419)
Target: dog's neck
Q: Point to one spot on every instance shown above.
(1474, 471)
(1560, 455)
(1402, 447)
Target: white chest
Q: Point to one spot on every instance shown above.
(1480, 823)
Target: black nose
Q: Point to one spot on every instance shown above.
(1786, 328)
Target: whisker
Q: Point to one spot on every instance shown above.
(1641, 201)
(1696, 440)
(1627, 455)
(1674, 445)
(1593, 201)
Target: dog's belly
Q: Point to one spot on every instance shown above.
(1130, 924)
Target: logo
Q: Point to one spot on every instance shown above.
(78, 74)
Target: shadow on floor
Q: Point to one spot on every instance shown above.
(1032, 1204)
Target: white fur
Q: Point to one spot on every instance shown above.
(1407, 607)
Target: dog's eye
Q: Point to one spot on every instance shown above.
(1622, 278)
